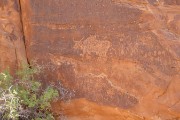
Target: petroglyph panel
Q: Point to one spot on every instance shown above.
(122, 53)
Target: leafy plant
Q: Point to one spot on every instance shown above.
(23, 97)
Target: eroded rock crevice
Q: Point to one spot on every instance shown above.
(24, 37)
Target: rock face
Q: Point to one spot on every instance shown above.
(118, 53)
(12, 49)
(86, 110)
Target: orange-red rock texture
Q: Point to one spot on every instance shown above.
(109, 55)
(12, 49)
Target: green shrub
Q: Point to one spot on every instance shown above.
(22, 97)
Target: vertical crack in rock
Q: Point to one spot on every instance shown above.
(24, 37)
(15, 52)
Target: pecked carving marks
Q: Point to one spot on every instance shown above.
(75, 36)
(146, 49)
(92, 45)
(96, 87)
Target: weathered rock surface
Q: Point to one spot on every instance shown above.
(121, 53)
(12, 49)
(118, 53)
(86, 110)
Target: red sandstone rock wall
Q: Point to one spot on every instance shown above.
(119, 53)
(12, 49)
